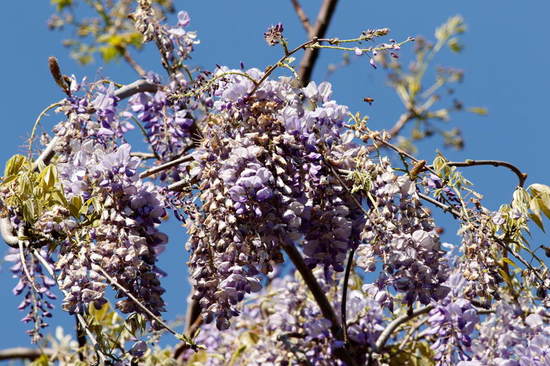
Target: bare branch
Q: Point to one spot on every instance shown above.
(320, 298)
(469, 162)
(310, 56)
(401, 122)
(386, 334)
(343, 309)
(6, 231)
(133, 63)
(165, 166)
(143, 155)
(302, 16)
(135, 300)
(139, 86)
(23, 353)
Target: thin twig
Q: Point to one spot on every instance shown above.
(343, 308)
(387, 332)
(269, 70)
(85, 326)
(401, 122)
(444, 207)
(168, 165)
(20, 246)
(302, 16)
(321, 25)
(37, 122)
(191, 329)
(136, 301)
(80, 338)
(320, 298)
(469, 162)
(130, 60)
(24, 353)
(6, 231)
(143, 155)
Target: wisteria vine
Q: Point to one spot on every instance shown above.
(311, 236)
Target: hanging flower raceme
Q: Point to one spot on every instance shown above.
(266, 182)
(400, 233)
(124, 243)
(286, 326)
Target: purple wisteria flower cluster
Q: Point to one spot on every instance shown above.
(37, 303)
(124, 243)
(174, 43)
(106, 233)
(511, 338)
(167, 122)
(267, 158)
(287, 328)
(400, 232)
(452, 323)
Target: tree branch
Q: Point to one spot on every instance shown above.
(321, 299)
(469, 162)
(133, 63)
(343, 309)
(386, 334)
(310, 56)
(302, 16)
(165, 166)
(24, 353)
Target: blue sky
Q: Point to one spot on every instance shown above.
(506, 63)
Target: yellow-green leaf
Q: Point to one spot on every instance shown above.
(479, 110)
(109, 53)
(14, 165)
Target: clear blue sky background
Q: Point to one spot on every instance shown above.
(506, 60)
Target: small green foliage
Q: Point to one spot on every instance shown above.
(419, 355)
(43, 360)
(538, 198)
(479, 110)
(61, 4)
(446, 33)
(14, 165)
(108, 32)
(362, 181)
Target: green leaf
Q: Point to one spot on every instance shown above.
(537, 220)
(61, 4)
(41, 361)
(455, 45)
(48, 177)
(14, 165)
(482, 111)
(109, 53)
(237, 354)
(421, 355)
(75, 205)
(539, 188)
(509, 261)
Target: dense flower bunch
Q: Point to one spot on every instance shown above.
(285, 326)
(509, 337)
(452, 322)
(264, 158)
(125, 241)
(100, 185)
(401, 233)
